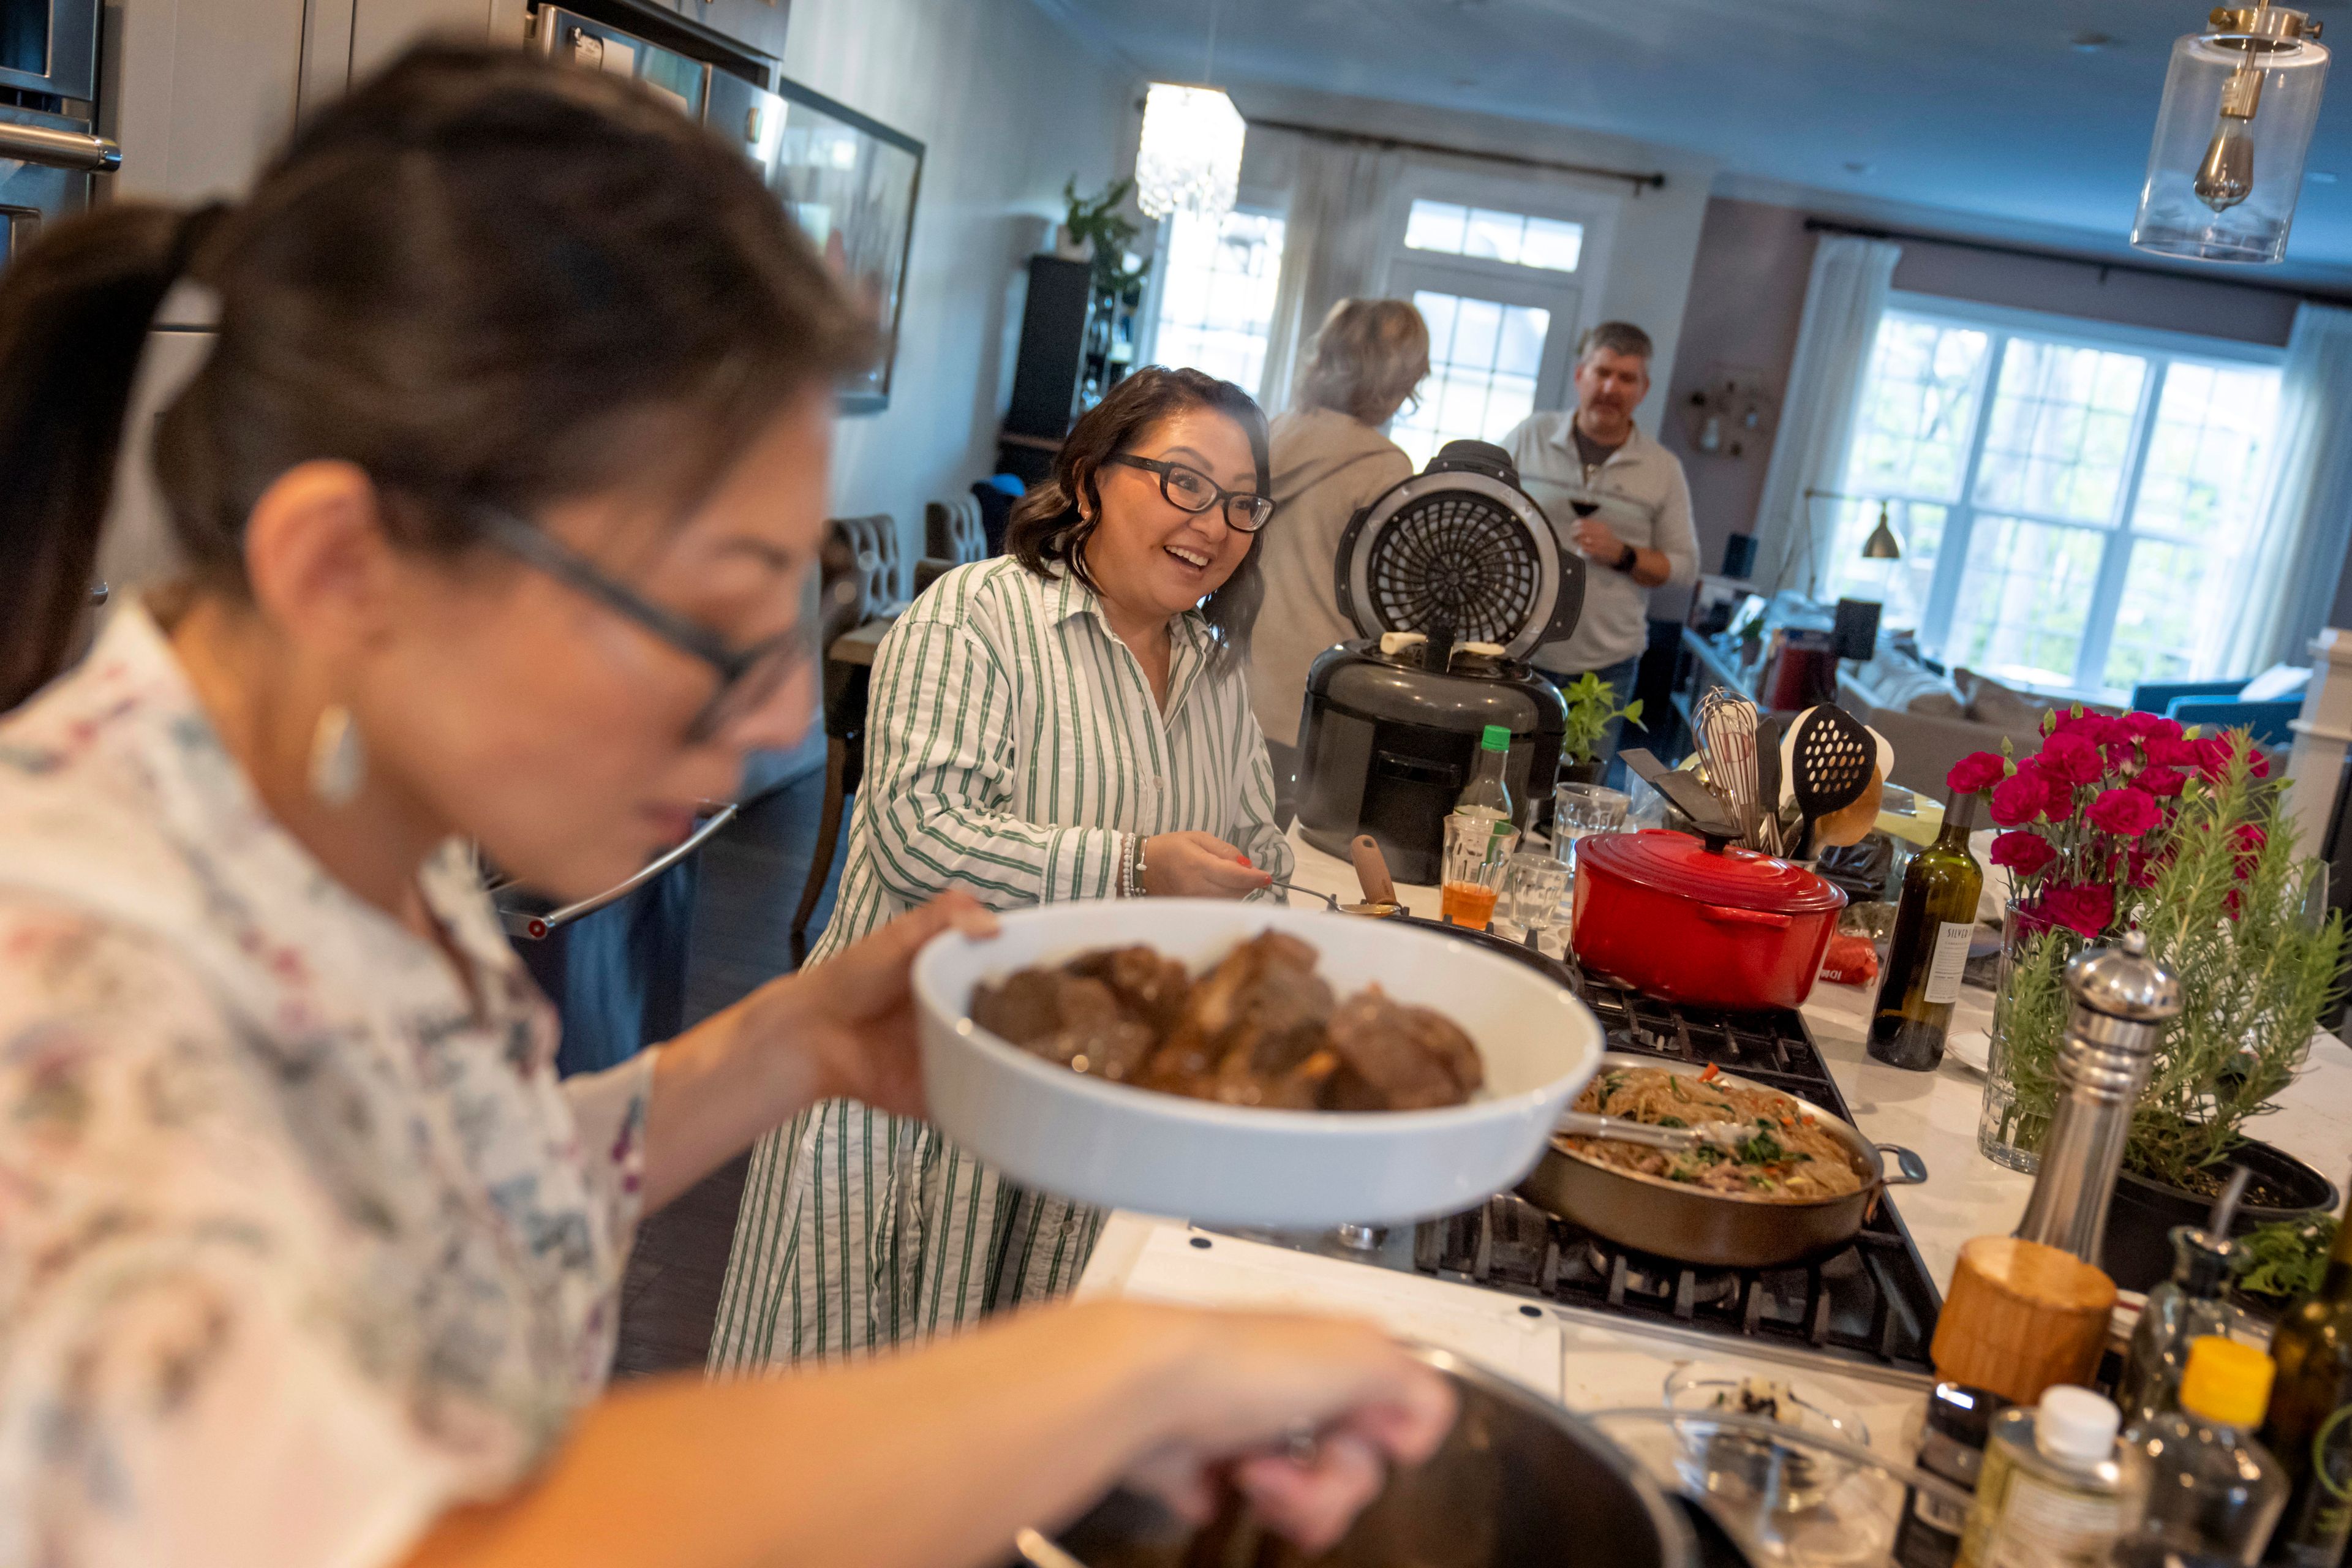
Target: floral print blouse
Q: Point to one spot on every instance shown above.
(302, 1242)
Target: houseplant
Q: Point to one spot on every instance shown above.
(2117, 822)
(1591, 707)
(1098, 226)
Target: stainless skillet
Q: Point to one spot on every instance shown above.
(1693, 1225)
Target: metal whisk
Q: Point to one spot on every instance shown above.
(1727, 743)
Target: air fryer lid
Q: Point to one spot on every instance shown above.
(1460, 549)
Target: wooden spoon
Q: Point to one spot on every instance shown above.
(1372, 870)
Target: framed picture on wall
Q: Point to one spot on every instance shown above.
(850, 184)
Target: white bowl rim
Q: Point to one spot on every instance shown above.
(1337, 1124)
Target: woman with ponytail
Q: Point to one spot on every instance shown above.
(497, 489)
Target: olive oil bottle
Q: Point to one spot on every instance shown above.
(1933, 922)
(2309, 1428)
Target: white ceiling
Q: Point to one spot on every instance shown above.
(1977, 116)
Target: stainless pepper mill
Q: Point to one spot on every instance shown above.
(2121, 1000)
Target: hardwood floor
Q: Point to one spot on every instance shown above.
(752, 879)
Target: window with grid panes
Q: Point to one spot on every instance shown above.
(1216, 293)
(1482, 359)
(2073, 500)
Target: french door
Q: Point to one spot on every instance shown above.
(1500, 347)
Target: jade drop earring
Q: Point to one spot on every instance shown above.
(338, 757)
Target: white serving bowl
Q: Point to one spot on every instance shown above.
(1059, 1131)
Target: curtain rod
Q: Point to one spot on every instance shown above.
(1655, 182)
(1865, 231)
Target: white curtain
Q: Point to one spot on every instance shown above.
(1331, 246)
(1842, 304)
(2290, 568)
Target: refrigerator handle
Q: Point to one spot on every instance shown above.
(59, 148)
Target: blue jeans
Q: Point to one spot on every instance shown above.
(1618, 678)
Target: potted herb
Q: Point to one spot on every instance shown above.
(2118, 822)
(1591, 707)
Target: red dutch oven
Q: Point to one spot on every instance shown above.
(1700, 922)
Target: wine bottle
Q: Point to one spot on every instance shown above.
(1933, 923)
(2309, 1428)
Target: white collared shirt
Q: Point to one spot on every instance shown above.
(1614, 625)
(1011, 744)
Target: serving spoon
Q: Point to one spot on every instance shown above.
(1682, 1139)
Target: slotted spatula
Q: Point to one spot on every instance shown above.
(1826, 760)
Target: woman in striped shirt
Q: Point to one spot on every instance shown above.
(1068, 722)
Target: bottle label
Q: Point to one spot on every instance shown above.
(1950, 957)
(2042, 1526)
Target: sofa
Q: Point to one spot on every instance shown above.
(1933, 720)
(2232, 704)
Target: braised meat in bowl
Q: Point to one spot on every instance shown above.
(1262, 1028)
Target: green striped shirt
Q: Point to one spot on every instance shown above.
(1013, 744)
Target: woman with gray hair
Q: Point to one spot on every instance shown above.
(1329, 458)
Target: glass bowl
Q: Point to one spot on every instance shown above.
(1788, 1498)
(1715, 1461)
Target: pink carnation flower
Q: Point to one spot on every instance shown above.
(2024, 853)
(1977, 771)
(2125, 812)
(2019, 798)
(2086, 908)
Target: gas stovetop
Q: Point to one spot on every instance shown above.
(1873, 1304)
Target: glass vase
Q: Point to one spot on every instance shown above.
(2029, 1014)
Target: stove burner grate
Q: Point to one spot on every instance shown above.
(1872, 1302)
(1864, 1304)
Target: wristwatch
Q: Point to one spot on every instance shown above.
(1625, 563)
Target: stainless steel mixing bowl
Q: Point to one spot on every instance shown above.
(1520, 1483)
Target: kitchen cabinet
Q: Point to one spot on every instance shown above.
(749, 24)
(381, 29)
(200, 92)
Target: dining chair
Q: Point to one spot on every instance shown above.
(859, 585)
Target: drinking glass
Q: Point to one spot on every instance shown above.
(1476, 850)
(1533, 887)
(1580, 810)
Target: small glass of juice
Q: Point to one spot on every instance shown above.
(1478, 850)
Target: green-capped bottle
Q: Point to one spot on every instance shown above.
(1487, 795)
(1934, 921)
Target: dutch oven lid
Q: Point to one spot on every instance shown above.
(1679, 864)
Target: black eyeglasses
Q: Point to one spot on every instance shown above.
(1190, 489)
(749, 679)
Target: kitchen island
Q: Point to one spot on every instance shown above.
(1592, 1361)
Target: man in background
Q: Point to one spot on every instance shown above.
(1644, 540)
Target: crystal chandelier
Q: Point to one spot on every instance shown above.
(1189, 159)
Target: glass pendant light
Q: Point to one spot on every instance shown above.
(2227, 162)
(1189, 158)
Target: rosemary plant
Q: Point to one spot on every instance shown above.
(2231, 909)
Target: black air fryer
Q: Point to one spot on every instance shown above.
(1454, 576)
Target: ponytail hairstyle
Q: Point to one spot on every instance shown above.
(482, 276)
(1048, 534)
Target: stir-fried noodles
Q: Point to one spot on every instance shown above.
(1789, 1154)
